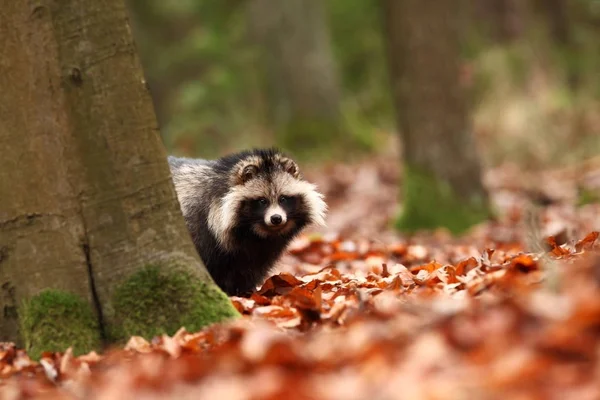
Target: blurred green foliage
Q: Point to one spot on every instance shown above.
(202, 69)
(197, 61)
(358, 42)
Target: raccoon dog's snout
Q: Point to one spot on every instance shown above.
(275, 216)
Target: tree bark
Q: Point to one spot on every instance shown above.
(501, 19)
(442, 177)
(299, 70)
(87, 198)
(558, 16)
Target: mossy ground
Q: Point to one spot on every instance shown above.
(430, 203)
(55, 320)
(155, 301)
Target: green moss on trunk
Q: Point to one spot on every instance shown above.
(156, 300)
(55, 320)
(430, 203)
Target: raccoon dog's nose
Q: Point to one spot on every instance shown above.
(276, 219)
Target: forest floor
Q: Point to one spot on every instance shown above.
(360, 312)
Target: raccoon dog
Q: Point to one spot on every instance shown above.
(242, 211)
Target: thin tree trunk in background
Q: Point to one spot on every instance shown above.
(502, 19)
(442, 170)
(558, 19)
(85, 189)
(299, 69)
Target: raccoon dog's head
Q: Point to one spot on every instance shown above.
(267, 197)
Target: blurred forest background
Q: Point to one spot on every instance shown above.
(230, 74)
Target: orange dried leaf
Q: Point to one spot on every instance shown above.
(312, 257)
(312, 285)
(407, 277)
(286, 279)
(555, 248)
(398, 249)
(384, 270)
(238, 306)
(274, 312)
(138, 344)
(318, 297)
(523, 263)
(396, 284)
(279, 284)
(451, 275)
(466, 265)
(302, 298)
(260, 300)
(429, 267)
(342, 256)
(587, 242)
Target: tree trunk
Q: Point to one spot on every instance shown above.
(442, 176)
(88, 206)
(299, 71)
(557, 14)
(500, 19)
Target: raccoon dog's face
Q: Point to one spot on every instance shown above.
(269, 198)
(276, 201)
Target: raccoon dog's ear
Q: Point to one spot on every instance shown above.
(247, 173)
(290, 167)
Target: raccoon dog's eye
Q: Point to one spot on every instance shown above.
(283, 199)
(262, 201)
